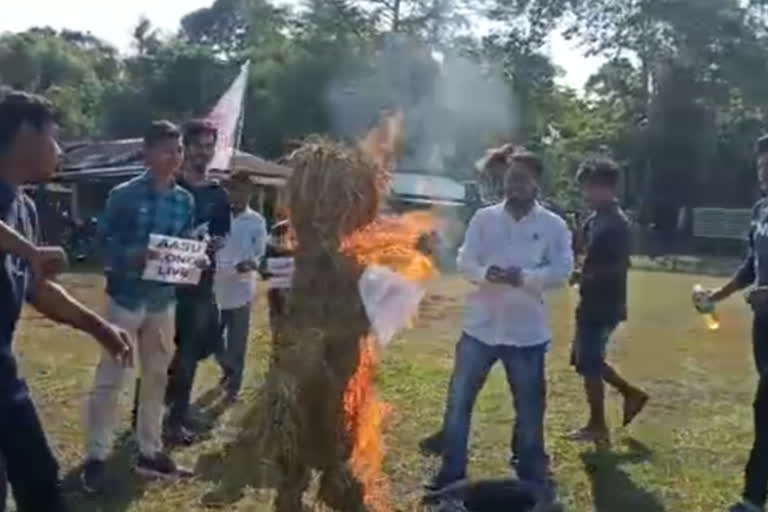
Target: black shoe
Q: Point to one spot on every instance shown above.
(745, 507)
(443, 486)
(93, 476)
(450, 505)
(160, 466)
(177, 435)
(432, 446)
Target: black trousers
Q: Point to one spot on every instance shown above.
(27, 462)
(756, 473)
(198, 335)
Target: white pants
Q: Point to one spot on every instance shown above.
(151, 335)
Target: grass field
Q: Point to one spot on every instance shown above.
(685, 453)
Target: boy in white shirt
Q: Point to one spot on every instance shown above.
(234, 283)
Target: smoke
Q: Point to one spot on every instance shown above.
(454, 106)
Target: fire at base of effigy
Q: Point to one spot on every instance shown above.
(357, 279)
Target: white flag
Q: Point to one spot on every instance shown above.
(226, 116)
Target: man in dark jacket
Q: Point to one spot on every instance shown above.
(754, 272)
(197, 316)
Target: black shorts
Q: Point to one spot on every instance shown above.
(589, 346)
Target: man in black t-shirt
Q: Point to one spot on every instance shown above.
(603, 306)
(198, 332)
(29, 153)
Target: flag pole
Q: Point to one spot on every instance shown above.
(241, 117)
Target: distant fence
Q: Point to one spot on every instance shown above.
(721, 223)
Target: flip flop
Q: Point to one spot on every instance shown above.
(633, 407)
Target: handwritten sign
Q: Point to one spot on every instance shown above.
(281, 273)
(174, 260)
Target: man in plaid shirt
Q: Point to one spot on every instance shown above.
(150, 204)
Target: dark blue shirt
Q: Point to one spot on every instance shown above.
(212, 218)
(603, 285)
(135, 210)
(18, 211)
(754, 269)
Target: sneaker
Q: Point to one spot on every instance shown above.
(745, 506)
(441, 485)
(160, 466)
(432, 446)
(451, 505)
(93, 476)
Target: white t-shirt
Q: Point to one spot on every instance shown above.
(540, 245)
(246, 242)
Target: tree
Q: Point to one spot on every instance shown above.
(73, 68)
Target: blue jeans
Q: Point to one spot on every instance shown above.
(235, 324)
(525, 371)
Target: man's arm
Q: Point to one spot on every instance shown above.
(744, 277)
(221, 216)
(556, 271)
(54, 302)
(470, 260)
(117, 258)
(44, 261)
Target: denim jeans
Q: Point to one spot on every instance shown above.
(235, 324)
(756, 471)
(525, 370)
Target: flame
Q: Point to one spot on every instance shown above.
(364, 414)
(391, 242)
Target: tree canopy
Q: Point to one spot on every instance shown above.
(678, 102)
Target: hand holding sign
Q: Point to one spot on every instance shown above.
(174, 260)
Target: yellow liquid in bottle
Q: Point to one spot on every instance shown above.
(712, 322)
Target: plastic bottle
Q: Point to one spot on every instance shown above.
(706, 307)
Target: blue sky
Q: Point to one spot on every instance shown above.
(113, 21)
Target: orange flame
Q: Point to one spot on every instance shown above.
(393, 242)
(390, 242)
(364, 414)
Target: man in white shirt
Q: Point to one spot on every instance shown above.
(513, 252)
(234, 283)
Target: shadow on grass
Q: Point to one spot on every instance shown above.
(236, 467)
(612, 488)
(124, 487)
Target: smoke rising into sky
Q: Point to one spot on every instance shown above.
(454, 106)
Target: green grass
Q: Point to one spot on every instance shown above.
(686, 452)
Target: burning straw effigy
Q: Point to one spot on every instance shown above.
(320, 412)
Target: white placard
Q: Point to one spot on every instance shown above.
(175, 260)
(279, 282)
(280, 266)
(280, 272)
(390, 301)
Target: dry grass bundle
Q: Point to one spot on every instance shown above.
(313, 418)
(334, 190)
